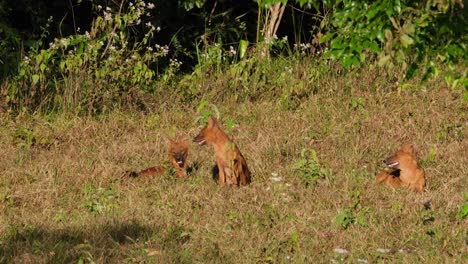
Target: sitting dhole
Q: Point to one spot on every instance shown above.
(232, 166)
(178, 153)
(406, 171)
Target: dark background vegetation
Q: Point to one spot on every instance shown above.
(185, 22)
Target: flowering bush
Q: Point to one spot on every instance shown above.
(99, 68)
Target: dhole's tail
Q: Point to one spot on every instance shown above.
(149, 172)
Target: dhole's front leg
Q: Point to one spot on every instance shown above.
(231, 177)
(222, 175)
(388, 179)
(181, 173)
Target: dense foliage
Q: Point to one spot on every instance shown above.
(98, 54)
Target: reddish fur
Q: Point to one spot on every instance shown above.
(406, 173)
(177, 150)
(152, 171)
(232, 167)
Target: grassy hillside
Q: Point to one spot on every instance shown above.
(313, 197)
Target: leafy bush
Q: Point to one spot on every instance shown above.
(411, 34)
(309, 168)
(354, 214)
(93, 71)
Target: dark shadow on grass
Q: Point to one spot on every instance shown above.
(193, 168)
(111, 242)
(68, 245)
(215, 173)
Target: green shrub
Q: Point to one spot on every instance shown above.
(93, 71)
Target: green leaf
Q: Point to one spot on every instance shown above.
(337, 43)
(373, 46)
(349, 60)
(326, 37)
(243, 45)
(35, 78)
(202, 106)
(463, 213)
(371, 13)
(411, 71)
(406, 40)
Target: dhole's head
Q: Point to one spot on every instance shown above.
(404, 158)
(208, 133)
(178, 151)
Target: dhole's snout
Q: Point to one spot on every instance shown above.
(200, 140)
(180, 160)
(391, 163)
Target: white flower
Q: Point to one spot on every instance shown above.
(99, 7)
(165, 50)
(51, 45)
(107, 16)
(158, 29)
(232, 50)
(108, 9)
(87, 35)
(64, 42)
(175, 63)
(148, 24)
(275, 177)
(341, 251)
(285, 38)
(383, 250)
(149, 48)
(150, 6)
(112, 47)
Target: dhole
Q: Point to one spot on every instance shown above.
(406, 171)
(231, 164)
(178, 152)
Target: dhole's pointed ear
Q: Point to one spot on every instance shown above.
(212, 121)
(184, 139)
(170, 140)
(408, 148)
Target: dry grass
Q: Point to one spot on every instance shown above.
(63, 198)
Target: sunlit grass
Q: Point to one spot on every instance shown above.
(313, 152)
